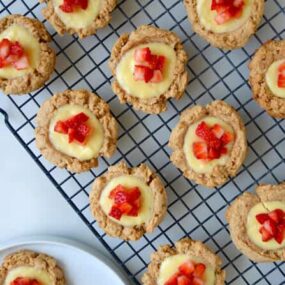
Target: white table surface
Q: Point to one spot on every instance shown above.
(29, 203)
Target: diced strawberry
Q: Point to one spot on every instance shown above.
(4, 48)
(223, 17)
(21, 63)
(261, 218)
(183, 280)
(276, 215)
(270, 227)
(142, 55)
(61, 127)
(280, 234)
(117, 189)
(160, 62)
(134, 212)
(134, 193)
(81, 133)
(224, 150)
(281, 81)
(70, 6)
(25, 281)
(227, 138)
(218, 131)
(66, 8)
(16, 49)
(77, 120)
(172, 280)
(71, 135)
(199, 270)
(157, 77)
(143, 73)
(197, 281)
(187, 268)
(125, 208)
(121, 197)
(214, 153)
(200, 150)
(115, 213)
(204, 132)
(266, 236)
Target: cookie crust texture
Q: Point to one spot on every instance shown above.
(85, 99)
(40, 261)
(261, 61)
(102, 19)
(114, 229)
(184, 246)
(236, 216)
(35, 79)
(229, 40)
(220, 173)
(149, 34)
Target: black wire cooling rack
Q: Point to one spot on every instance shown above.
(214, 74)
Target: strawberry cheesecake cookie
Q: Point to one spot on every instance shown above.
(188, 263)
(26, 60)
(30, 268)
(226, 24)
(128, 202)
(209, 143)
(74, 128)
(149, 67)
(267, 77)
(81, 17)
(257, 223)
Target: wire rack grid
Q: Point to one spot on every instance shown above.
(214, 74)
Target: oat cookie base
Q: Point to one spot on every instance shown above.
(184, 246)
(36, 79)
(88, 100)
(38, 260)
(231, 40)
(159, 195)
(149, 34)
(237, 213)
(261, 61)
(220, 173)
(102, 19)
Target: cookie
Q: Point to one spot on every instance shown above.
(74, 128)
(25, 266)
(82, 18)
(148, 66)
(257, 223)
(128, 202)
(26, 60)
(267, 78)
(188, 260)
(209, 143)
(227, 25)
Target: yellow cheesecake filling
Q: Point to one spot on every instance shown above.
(199, 165)
(29, 43)
(253, 225)
(271, 78)
(93, 143)
(207, 17)
(141, 89)
(80, 18)
(129, 181)
(28, 272)
(170, 266)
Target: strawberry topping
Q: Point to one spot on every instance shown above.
(214, 141)
(281, 76)
(75, 127)
(13, 54)
(126, 202)
(148, 66)
(189, 273)
(25, 281)
(272, 225)
(70, 6)
(227, 10)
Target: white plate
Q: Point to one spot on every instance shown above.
(82, 265)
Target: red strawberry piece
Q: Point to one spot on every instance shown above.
(261, 218)
(71, 135)
(16, 49)
(134, 212)
(199, 270)
(115, 213)
(125, 208)
(70, 6)
(172, 280)
(224, 150)
(81, 132)
(276, 215)
(66, 8)
(21, 63)
(281, 76)
(134, 193)
(5, 45)
(117, 189)
(218, 131)
(77, 120)
(227, 138)
(197, 281)
(214, 153)
(160, 62)
(200, 150)
(183, 280)
(121, 197)
(143, 73)
(157, 77)
(142, 55)
(204, 132)
(223, 17)
(187, 268)
(270, 227)
(61, 127)
(266, 236)
(280, 234)
(25, 281)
